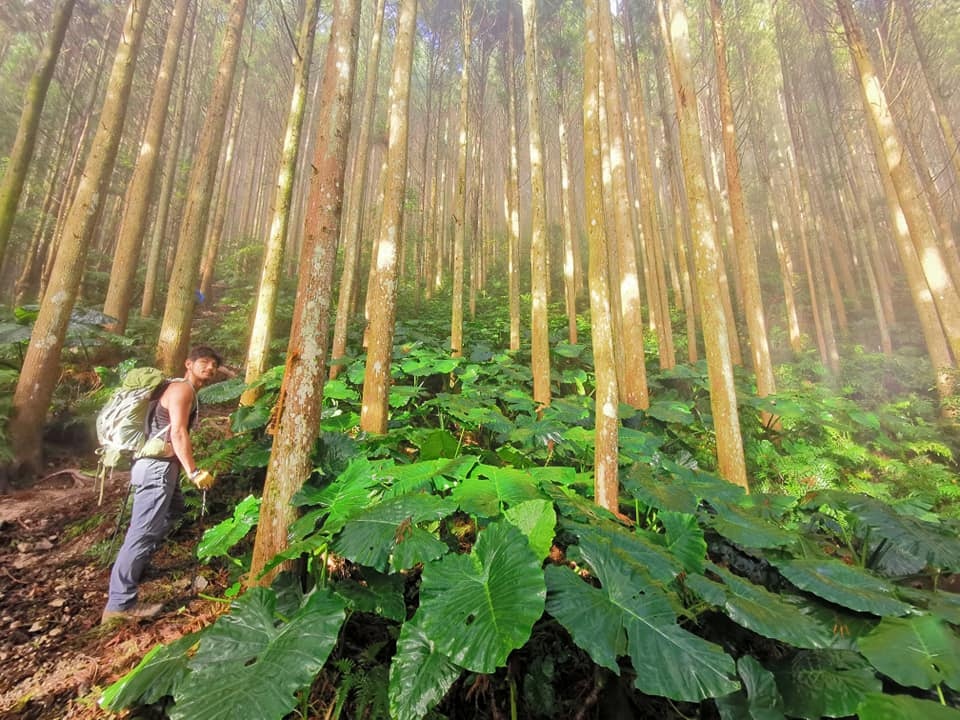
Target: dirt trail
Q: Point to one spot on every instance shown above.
(54, 567)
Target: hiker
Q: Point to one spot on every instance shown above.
(156, 483)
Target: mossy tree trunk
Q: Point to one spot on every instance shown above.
(258, 351)
(42, 361)
(178, 311)
(382, 292)
(606, 445)
(302, 389)
(707, 257)
(139, 194)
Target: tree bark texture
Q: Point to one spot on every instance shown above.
(382, 293)
(139, 194)
(42, 361)
(707, 258)
(23, 145)
(746, 248)
(606, 439)
(634, 390)
(539, 331)
(151, 277)
(357, 197)
(178, 311)
(302, 388)
(892, 160)
(258, 351)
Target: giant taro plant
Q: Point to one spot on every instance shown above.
(765, 605)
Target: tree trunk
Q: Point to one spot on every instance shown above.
(302, 389)
(937, 98)
(634, 389)
(358, 198)
(539, 330)
(606, 441)
(654, 261)
(892, 160)
(460, 199)
(215, 229)
(178, 312)
(746, 248)
(19, 161)
(678, 252)
(382, 292)
(512, 190)
(41, 363)
(258, 351)
(140, 190)
(170, 173)
(570, 248)
(28, 277)
(723, 397)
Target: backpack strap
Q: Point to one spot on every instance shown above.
(155, 401)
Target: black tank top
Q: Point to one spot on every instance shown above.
(158, 418)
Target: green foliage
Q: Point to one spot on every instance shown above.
(644, 594)
(218, 540)
(467, 536)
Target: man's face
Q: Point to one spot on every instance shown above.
(203, 368)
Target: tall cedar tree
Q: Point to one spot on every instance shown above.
(382, 292)
(460, 200)
(139, 195)
(302, 388)
(633, 389)
(178, 312)
(606, 447)
(258, 351)
(42, 362)
(707, 257)
(19, 161)
(539, 330)
(356, 196)
(892, 160)
(746, 249)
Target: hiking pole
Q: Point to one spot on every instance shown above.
(123, 510)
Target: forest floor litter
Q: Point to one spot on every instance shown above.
(55, 555)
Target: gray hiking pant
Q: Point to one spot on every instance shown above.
(156, 500)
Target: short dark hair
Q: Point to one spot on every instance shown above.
(205, 351)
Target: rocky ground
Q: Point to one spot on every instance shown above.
(55, 555)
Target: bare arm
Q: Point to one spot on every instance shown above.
(178, 399)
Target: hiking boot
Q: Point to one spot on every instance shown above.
(140, 611)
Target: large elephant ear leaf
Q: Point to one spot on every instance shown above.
(490, 489)
(915, 651)
(586, 614)
(825, 683)
(537, 520)
(668, 660)
(897, 707)
(374, 534)
(419, 675)
(248, 665)
(759, 700)
(477, 608)
(159, 674)
(845, 585)
(685, 539)
(779, 617)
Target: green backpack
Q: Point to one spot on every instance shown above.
(121, 424)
